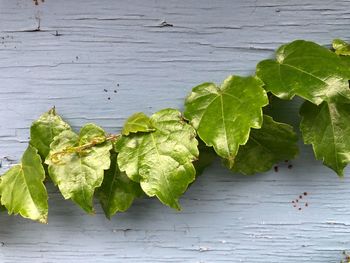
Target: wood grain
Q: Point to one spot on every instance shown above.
(86, 47)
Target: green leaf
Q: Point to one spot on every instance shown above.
(2, 208)
(341, 47)
(224, 115)
(206, 156)
(117, 191)
(22, 190)
(138, 122)
(327, 128)
(308, 70)
(273, 143)
(161, 160)
(77, 163)
(43, 131)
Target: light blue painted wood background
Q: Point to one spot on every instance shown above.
(225, 217)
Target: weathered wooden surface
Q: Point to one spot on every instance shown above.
(119, 45)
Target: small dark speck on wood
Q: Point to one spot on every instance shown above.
(165, 24)
(57, 34)
(36, 2)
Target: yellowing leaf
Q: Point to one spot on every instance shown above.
(161, 160)
(22, 190)
(43, 131)
(138, 122)
(76, 168)
(341, 47)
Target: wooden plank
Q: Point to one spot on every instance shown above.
(84, 47)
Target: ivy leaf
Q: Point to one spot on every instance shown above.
(206, 156)
(77, 163)
(273, 143)
(138, 122)
(161, 160)
(2, 208)
(224, 115)
(117, 191)
(308, 70)
(22, 190)
(327, 128)
(43, 131)
(341, 47)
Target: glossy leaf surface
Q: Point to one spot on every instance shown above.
(308, 70)
(161, 160)
(273, 143)
(327, 128)
(224, 115)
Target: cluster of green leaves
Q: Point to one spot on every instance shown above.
(160, 156)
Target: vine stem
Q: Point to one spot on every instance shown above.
(81, 148)
(94, 142)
